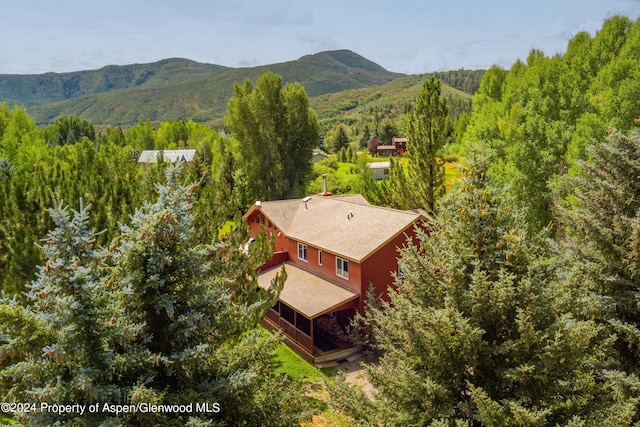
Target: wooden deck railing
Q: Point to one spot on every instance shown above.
(273, 316)
(296, 334)
(290, 330)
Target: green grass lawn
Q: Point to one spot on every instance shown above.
(451, 175)
(287, 361)
(6, 420)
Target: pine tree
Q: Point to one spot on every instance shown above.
(199, 307)
(428, 130)
(159, 318)
(474, 333)
(57, 348)
(601, 239)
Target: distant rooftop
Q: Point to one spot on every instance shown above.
(379, 165)
(172, 156)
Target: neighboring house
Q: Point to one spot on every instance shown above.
(380, 169)
(317, 156)
(333, 249)
(172, 156)
(397, 148)
(400, 144)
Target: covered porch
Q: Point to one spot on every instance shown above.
(310, 313)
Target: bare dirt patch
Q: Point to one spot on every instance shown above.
(355, 374)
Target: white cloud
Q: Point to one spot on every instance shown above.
(400, 35)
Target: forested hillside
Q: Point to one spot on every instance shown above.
(175, 89)
(517, 304)
(181, 89)
(40, 89)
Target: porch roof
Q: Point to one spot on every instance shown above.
(307, 293)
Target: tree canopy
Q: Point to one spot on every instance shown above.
(155, 319)
(476, 331)
(274, 132)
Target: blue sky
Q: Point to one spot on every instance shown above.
(411, 37)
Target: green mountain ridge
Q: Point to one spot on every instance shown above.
(39, 89)
(181, 89)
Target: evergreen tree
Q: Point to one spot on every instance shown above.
(342, 155)
(340, 139)
(58, 348)
(171, 321)
(365, 138)
(387, 131)
(601, 239)
(428, 130)
(199, 306)
(474, 334)
(69, 130)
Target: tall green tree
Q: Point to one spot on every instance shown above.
(141, 136)
(199, 307)
(159, 318)
(23, 199)
(541, 115)
(275, 131)
(171, 135)
(428, 130)
(476, 333)
(339, 139)
(601, 239)
(58, 347)
(69, 130)
(387, 130)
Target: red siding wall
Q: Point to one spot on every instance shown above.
(328, 267)
(378, 267)
(282, 243)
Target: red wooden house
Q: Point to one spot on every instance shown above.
(397, 148)
(333, 249)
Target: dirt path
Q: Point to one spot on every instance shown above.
(355, 374)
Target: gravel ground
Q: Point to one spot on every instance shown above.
(355, 374)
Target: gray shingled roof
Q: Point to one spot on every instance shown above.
(343, 226)
(151, 156)
(307, 293)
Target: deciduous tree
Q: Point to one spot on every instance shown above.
(275, 132)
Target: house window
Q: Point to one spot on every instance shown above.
(342, 268)
(302, 252)
(319, 257)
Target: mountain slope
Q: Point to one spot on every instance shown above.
(347, 105)
(341, 84)
(205, 97)
(40, 89)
